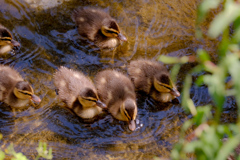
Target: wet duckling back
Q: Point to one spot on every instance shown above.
(117, 92)
(153, 78)
(6, 41)
(98, 26)
(78, 92)
(14, 91)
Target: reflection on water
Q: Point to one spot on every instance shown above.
(49, 39)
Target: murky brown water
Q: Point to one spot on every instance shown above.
(49, 39)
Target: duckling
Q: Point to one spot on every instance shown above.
(78, 92)
(6, 41)
(153, 78)
(14, 91)
(98, 26)
(117, 92)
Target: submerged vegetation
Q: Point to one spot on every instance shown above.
(11, 153)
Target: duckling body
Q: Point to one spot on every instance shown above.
(78, 92)
(117, 92)
(14, 91)
(98, 26)
(6, 41)
(153, 78)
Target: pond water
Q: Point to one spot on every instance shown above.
(49, 39)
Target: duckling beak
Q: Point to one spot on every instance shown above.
(101, 104)
(121, 37)
(15, 43)
(175, 92)
(35, 98)
(132, 125)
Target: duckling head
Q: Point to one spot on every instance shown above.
(111, 29)
(163, 84)
(24, 91)
(88, 98)
(6, 41)
(129, 110)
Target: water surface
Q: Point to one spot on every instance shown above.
(49, 39)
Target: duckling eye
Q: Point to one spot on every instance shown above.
(110, 31)
(6, 39)
(26, 93)
(126, 114)
(165, 86)
(90, 99)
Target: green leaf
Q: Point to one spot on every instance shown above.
(186, 100)
(19, 156)
(173, 60)
(2, 155)
(203, 55)
(204, 8)
(199, 80)
(234, 68)
(43, 152)
(192, 146)
(174, 72)
(203, 114)
(216, 88)
(168, 59)
(224, 18)
(186, 125)
(238, 157)
(228, 147)
(236, 36)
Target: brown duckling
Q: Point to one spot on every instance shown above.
(6, 41)
(78, 92)
(14, 91)
(98, 26)
(153, 78)
(117, 92)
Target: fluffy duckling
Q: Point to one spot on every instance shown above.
(14, 91)
(153, 78)
(117, 92)
(78, 92)
(98, 26)
(6, 41)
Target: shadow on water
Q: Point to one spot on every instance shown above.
(49, 39)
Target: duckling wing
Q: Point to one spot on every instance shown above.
(8, 79)
(113, 86)
(69, 84)
(89, 21)
(142, 73)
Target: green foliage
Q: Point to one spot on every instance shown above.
(16, 156)
(229, 14)
(204, 8)
(206, 139)
(42, 152)
(2, 155)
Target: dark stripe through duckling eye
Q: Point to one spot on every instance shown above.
(168, 87)
(26, 93)
(110, 31)
(126, 114)
(92, 100)
(6, 39)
